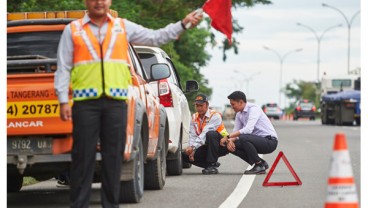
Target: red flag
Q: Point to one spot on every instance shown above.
(220, 13)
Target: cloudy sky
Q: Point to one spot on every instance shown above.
(275, 26)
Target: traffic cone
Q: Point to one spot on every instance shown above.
(341, 191)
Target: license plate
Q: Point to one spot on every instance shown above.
(32, 109)
(29, 145)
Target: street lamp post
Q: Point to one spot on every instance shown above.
(281, 59)
(319, 38)
(247, 80)
(348, 23)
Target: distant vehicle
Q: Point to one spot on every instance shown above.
(340, 99)
(228, 113)
(304, 109)
(335, 84)
(341, 108)
(272, 110)
(172, 97)
(215, 108)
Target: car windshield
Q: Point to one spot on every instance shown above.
(33, 44)
(271, 105)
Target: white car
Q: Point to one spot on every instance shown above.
(272, 110)
(172, 97)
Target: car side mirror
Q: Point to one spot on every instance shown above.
(159, 71)
(191, 86)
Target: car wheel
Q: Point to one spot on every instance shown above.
(132, 191)
(187, 165)
(14, 182)
(175, 166)
(155, 170)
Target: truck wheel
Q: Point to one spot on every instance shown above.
(15, 182)
(155, 170)
(323, 121)
(132, 191)
(330, 121)
(175, 166)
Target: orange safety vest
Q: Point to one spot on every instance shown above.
(200, 126)
(100, 68)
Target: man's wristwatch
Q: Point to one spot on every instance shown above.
(194, 148)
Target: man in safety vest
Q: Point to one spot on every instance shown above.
(93, 55)
(206, 131)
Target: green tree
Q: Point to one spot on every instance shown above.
(300, 89)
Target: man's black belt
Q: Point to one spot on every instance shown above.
(271, 137)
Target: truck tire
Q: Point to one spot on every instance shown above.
(132, 191)
(175, 166)
(323, 120)
(14, 182)
(155, 170)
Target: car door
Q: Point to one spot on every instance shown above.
(182, 102)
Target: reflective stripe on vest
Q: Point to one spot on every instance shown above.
(200, 126)
(98, 66)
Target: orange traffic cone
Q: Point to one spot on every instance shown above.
(341, 191)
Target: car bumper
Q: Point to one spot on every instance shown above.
(305, 114)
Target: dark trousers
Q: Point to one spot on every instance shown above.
(103, 119)
(208, 153)
(248, 146)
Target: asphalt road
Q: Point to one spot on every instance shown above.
(306, 144)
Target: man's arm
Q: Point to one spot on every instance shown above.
(212, 125)
(140, 35)
(237, 122)
(254, 115)
(62, 74)
(192, 134)
(64, 65)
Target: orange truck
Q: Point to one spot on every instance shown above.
(39, 143)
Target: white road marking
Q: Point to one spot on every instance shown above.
(240, 191)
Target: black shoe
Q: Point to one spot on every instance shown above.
(257, 169)
(264, 163)
(62, 184)
(217, 164)
(210, 170)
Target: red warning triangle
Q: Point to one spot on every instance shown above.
(293, 183)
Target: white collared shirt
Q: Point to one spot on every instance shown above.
(252, 120)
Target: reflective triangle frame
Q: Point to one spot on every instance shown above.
(297, 181)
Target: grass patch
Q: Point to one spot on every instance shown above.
(29, 181)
